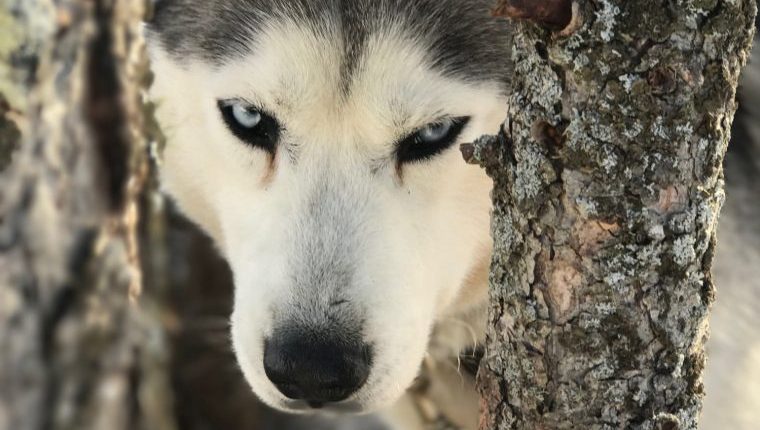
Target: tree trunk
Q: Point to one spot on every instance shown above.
(608, 185)
(74, 352)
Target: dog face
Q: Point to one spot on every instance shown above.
(317, 143)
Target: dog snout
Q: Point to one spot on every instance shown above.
(317, 369)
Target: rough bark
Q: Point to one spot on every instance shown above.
(75, 353)
(608, 185)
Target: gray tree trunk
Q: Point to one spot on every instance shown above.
(608, 185)
(74, 352)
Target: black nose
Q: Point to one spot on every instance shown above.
(316, 368)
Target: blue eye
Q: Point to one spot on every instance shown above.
(430, 140)
(246, 117)
(434, 132)
(250, 124)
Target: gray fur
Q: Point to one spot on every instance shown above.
(463, 37)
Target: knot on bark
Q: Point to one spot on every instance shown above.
(667, 422)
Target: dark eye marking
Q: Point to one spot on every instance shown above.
(250, 124)
(429, 141)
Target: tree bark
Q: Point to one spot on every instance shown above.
(608, 185)
(75, 353)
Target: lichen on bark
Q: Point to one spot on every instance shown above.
(608, 185)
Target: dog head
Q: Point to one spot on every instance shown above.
(317, 143)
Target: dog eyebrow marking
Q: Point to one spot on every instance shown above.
(354, 38)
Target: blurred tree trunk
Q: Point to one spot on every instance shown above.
(75, 352)
(608, 185)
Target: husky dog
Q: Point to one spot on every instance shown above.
(316, 141)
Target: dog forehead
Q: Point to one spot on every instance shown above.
(301, 76)
(462, 37)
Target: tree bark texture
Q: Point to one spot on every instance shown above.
(75, 353)
(608, 185)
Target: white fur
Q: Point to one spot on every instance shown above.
(421, 235)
